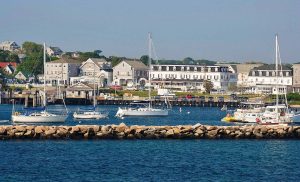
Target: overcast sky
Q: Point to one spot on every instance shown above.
(231, 30)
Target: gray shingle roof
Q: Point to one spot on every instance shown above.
(271, 67)
(136, 64)
(65, 60)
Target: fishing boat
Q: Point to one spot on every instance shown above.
(90, 113)
(144, 109)
(39, 114)
(277, 114)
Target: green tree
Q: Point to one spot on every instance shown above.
(32, 64)
(208, 86)
(233, 88)
(13, 58)
(4, 55)
(83, 56)
(145, 59)
(115, 60)
(31, 47)
(188, 61)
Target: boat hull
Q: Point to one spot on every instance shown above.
(89, 115)
(142, 112)
(39, 119)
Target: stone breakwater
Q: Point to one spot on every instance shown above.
(122, 131)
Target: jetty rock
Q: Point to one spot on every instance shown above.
(123, 131)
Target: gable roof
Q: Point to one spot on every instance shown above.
(55, 49)
(81, 86)
(4, 64)
(10, 67)
(65, 60)
(272, 67)
(101, 63)
(8, 43)
(136, 64)
(26, 74)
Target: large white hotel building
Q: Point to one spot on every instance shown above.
(187, 77)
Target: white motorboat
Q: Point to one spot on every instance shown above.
(144, 109)
(249, 111)
(38, 115)
(246, 113)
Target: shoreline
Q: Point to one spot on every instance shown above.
(122, 131)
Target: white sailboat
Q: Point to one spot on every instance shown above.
(279, 113)
(90, 113)
(39, 115)
(143, 109)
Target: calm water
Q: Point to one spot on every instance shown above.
(188, 115)
(150, 160)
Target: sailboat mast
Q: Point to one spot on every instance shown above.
(94, 98)
(276, 68)
(44, 61)
(149, 62)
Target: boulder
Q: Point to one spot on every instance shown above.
(20, 128)
(28, 133)
(169, 133)
(39, 129)
(212, 133)
(121, 128)
(2, 130)
(50, 132)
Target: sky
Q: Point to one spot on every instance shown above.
(219, 30)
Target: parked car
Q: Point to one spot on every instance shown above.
(210, 99)
(202, 99)
(220, 99)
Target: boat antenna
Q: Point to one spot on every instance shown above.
(94, 98)
(276, 68)
(149, 62)
(44, 61)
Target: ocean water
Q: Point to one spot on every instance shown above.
(188, 115)
(150, 160)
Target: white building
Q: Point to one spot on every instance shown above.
(191, 77)
(296, 78)
(94, 69)
(9, 46)
(263, 80)
(58, 72)
(54, 51)
(130, 73)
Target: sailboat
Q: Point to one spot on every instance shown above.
(39, 114)
(90, 113)
(278, 113)
(144, 108)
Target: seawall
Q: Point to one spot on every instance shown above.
(122, 131)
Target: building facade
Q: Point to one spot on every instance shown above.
(296, 78)
(58, 72)
(94, 69)
(192, 77)
(263, 80)
(54, 51)
(9, 46)
(130, 73)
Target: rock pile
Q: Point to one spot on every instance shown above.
(123, 131)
